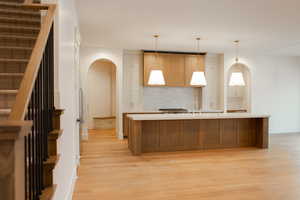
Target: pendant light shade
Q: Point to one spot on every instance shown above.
(156, 78)
(198, 79)
(236, 79)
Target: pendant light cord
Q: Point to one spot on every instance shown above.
(237, 50)
(155, 46)
(198, 44)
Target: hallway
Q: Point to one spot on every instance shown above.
(108, 171)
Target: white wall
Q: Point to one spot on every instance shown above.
(101, 90)
(90, 54)
(65, 27)
(275, 89)
(133, 99)
(212, 92)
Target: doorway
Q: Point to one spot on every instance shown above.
(101, 95)
(239, 88)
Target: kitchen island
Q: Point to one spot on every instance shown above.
(175, 132)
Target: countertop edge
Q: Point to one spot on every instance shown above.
(149, 117)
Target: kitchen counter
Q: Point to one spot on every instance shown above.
(176, 132)
(186, 116)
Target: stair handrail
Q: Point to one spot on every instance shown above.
(19, 108)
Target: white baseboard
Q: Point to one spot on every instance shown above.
(288, 132)
(70, 192)
(120, 135)
(85, 133)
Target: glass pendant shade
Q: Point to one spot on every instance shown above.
(156, 78)
(237, 79)
(198, 79)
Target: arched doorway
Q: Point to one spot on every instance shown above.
(101, 95)
(238, 88)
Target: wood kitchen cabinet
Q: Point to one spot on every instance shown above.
(193, 63)
(159, 133)
(177, 68)
(152, 61)
(174, 71)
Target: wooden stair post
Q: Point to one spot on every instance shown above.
(53, 159)
(12, 159)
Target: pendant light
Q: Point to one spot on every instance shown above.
(236, 78)
(198, 77)
(156, 76)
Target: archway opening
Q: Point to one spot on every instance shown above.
(239, 88)
(101, 98)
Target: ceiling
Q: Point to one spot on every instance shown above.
(262, 26)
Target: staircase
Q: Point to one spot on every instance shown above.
(29, 123)
(19, 28)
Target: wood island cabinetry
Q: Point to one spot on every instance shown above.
(196, 134)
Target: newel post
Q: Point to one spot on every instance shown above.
(12, 159)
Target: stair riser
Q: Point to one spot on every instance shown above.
(15, 53)
(16, 42)
(19, 23)
(7, 101)
(10, 83)
(48, 175)
(19, 31)
(3, 117)
(52, 147)
(12, 67)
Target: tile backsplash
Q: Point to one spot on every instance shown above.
(168, 97)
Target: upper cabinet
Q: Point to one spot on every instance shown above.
(173, 70)
(177, 68)
(151, 62)
(193, 63)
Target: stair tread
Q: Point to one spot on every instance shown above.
(9, 3)
(56, 131)
(8, 91)
(55, 134)
(16, 5)
(5, 111)
(11, 74)
(48, 193)
(13, 60)
(16, 47)
(52, 160)
(20, 27)
(20, 19)
(13, 123)
(18, 37)
(13, 4)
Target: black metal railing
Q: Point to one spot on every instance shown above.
(40, 111)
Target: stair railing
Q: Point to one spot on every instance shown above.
(35, 102)
(19, 109)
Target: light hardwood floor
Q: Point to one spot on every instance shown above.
(108, 171)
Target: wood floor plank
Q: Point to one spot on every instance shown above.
(108, 171)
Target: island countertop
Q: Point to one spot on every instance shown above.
(187, 116)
